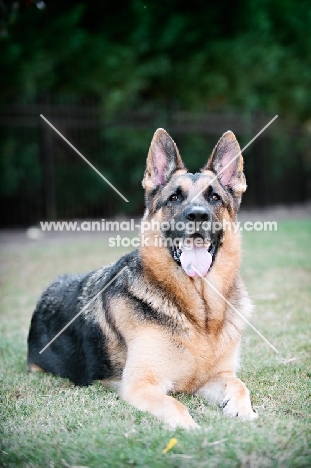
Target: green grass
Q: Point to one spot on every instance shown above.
(45, 421)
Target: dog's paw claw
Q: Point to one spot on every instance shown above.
(244, 412)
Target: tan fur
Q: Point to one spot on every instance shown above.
(116, 348)
(164, 330)
(201, 355)
(158, 362)
(35, 368)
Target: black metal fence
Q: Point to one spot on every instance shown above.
(43, 178)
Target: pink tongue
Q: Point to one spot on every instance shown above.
(196, 261)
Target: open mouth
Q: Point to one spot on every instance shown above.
(195, 257)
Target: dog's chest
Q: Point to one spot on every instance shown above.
(197, 359)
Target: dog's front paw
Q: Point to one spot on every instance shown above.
(239, 409)
(182, 420)
(183, 423)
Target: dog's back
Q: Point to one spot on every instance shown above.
(79, 352)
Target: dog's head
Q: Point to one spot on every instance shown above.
(191, 209)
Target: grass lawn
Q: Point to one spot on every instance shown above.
(46, 421)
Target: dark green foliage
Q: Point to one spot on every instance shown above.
(254, 54)
(247, 56)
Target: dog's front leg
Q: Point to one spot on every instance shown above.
(231, 393)
(150, 397)
(146, 381)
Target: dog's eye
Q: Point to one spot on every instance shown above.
(174, 197)
(215, 197)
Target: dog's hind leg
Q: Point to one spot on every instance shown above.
(35, 368)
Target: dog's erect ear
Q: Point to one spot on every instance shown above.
(162, 161)
(227, 162)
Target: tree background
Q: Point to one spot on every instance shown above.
(246, 56)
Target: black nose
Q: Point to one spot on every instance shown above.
(196, 213)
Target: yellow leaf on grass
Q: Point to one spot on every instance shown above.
(170, 445)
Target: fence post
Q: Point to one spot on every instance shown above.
(261, 180)
(48, 179)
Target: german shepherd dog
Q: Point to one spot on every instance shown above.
(165, 323)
